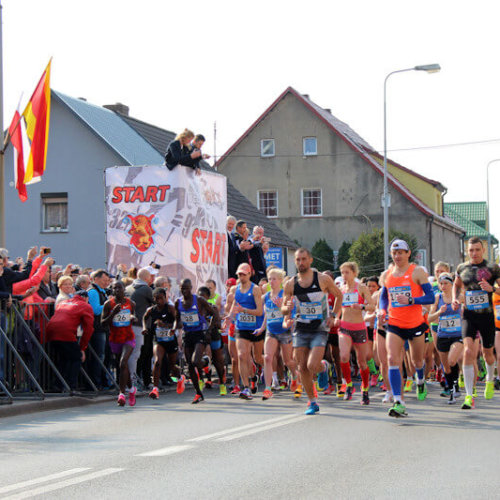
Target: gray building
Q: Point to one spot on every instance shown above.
(316, 178)
(65, 211)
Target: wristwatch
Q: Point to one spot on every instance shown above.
(410, 301)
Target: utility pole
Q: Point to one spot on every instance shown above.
(215, 145)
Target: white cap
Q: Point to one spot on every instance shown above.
(339, 280)
(400, 245)
(152, 270)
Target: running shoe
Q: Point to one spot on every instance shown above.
(283, 385)
(383, 387)
(340, 390)
(474, 392)
(408, 385)
(253, 384)
(236, 389)
(365, 399)
(330, 390)
(489, 390)
(457, 390)
(294, 384)
(398, 410)
(461, 382)
(267, 394)
(348, 393)
(497, 384)
(312, 409)
(246, 394)
(374, 380)
(208, 384)
(201, 384)
(445, 393)
(323, 376)
(198, 398)
(387, 398)
(275, 385)
(121, 400)
(421, 391)
(298, 392)
(155, 393)
(222, 390)
(453, 399)
(131, 396)
(181, 384)
(468, 403)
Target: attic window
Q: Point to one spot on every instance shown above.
(310, 146)
(267, 147)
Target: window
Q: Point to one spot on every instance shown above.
(54, 212)
(311, 202)
(310, 146)
(267, 147)
(267, 202)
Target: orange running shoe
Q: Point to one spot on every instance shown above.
(197, 399)
(267, 394)
(329, 390)
(293, 385)
(155, 393)
(181, 384)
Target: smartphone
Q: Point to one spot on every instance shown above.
(47, 250)
(154, 265)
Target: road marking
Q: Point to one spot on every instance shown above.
(163, 452)
(263, 428)
(43, 479)
(241, 428)
(63, 484)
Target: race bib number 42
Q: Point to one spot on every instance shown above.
(476, 300)
(311, 310)
(394, 291)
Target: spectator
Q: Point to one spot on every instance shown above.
(66, 289)
(232, 248)
(196, 145)
(242, 243)
(141, 294)
(82, 283)
(9, 276)
(178, 152)
(257, 252)
(47, 289)
(162, 282)
(132, 273)
(62, 334)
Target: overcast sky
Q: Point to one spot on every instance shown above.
(192, 63)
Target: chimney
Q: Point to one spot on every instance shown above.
(306, 96)
(328, 110)
(120, 108)
(82, 99)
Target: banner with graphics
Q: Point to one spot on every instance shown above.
(175, 219)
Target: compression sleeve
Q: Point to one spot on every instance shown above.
(384, 299)
(428, 298)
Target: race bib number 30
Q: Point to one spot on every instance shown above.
(476, 300)
(190, 319)
(394, 291)
(122, 318)
(311, 311)
(349, 299)
(450, 324)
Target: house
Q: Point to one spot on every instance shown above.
(317, 178)
(473, 217)
(66, 211)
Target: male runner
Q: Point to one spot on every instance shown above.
(477, 277)
(405, 289)
(310, 290)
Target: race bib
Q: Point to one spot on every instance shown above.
(163, 335)
(497, 312)
(311, 311)
(451, 323)
(190, 318)
(122, 318)
(476, 300)
(349, 299)
(247, 321)
(394, 291)
(274, 316)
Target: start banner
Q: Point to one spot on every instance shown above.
(174, 219)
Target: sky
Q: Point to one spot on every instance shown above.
(190, 64)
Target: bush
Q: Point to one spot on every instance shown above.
(323, 256)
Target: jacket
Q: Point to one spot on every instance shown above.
(140, 293)
(10, 277)
(179, 155)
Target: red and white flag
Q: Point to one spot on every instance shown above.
(19, 140)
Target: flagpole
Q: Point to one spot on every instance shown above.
(2, 155)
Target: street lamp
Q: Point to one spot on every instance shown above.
(429, 68)
(488, 204)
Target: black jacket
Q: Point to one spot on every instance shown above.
(10, 277)
(179, 155)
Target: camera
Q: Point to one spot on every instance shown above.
(154, 265)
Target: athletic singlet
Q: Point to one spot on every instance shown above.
(192, 320)
(351, 298)
(162, 333)
(400, 315)
(120, 330)
(245, 321)
(312, 307)
(274, 316)
(496, 310)
(450, 322)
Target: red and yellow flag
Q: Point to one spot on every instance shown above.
(29, 134)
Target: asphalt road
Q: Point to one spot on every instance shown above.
(230, 448)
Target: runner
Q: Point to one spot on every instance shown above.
(162, 316)
(228, 326)
(449, 341)
(372, 361)
(312, 322)
(496, 305)
(247, 307)
(190, 312)
(477, 277)
(405, 289)
(118, 313)
(356, 298)
(276, 335)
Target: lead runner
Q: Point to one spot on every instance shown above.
(312, 321)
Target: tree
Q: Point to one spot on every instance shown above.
(322, 255)
(368, 250)
(344, 253)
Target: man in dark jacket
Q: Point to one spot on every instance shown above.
(260, 246)
(9, 276)
(232, 249)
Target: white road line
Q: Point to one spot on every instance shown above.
(243, 427)
(43, 479)
(63, 484)
(163, 452)
(262, 428)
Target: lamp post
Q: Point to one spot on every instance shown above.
(429, 68)
(488, 204)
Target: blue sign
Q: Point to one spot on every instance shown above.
(275, 256)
